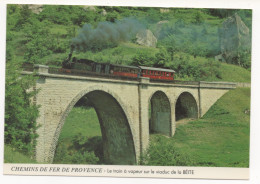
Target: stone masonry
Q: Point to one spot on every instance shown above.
(122, 108)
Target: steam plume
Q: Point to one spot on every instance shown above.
(106, 34)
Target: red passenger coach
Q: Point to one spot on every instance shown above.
(157, 73)
(122, 70)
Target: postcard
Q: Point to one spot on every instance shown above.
(128, 90)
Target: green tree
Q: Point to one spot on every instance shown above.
(112, 16)
(23, 17)
(244, 58)
(12, 17)
(161, 58)
(198, 18)
(40, 42)
(20, 111)
(143, 59)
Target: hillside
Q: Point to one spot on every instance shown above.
(187, 39)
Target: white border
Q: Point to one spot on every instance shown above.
(219, 173)
(255, 98)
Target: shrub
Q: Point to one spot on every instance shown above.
(82, 150)
(84, 158)
(162, 152)
(143, 59)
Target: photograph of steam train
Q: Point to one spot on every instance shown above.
(127, 85)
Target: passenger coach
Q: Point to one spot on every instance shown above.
(157, 73)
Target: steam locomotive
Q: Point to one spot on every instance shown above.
(118, 70)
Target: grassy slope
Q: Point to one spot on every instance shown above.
(81, 121)
(221, 137)
(233, 73)
(12, 156)
(229, 72)
(122, 54)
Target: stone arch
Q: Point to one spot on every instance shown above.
(186, 106)
(118, 141)
(160, 121)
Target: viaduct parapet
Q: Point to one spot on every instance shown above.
(122, 107)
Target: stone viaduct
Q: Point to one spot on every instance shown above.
(122, 107)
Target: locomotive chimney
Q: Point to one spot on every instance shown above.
(67, 62)
(71, 51)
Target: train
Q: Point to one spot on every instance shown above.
(118, 70)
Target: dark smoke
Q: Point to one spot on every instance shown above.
(106, 34)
